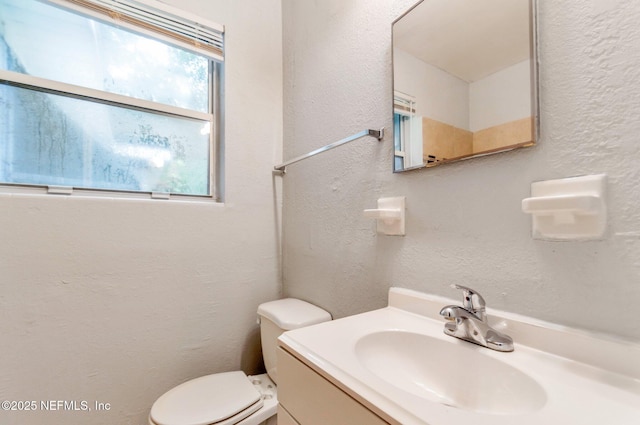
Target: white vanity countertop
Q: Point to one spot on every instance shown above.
(585, 380)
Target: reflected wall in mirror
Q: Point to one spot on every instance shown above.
(464, 80)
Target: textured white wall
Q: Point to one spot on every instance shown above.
(118, 301)
(464, 223)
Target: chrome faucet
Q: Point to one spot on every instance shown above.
(469, 322)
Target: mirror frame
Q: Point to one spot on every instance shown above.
(534, 87)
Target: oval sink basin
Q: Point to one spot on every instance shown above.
(453, 373)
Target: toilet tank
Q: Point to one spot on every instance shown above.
(283, 315)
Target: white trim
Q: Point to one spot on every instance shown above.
(38, 83)
(9, 190)
(60, 190)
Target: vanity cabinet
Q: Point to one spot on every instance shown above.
(284, 418)
(307, 398)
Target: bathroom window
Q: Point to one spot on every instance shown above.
(102, 95)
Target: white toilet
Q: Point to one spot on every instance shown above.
(233, 398)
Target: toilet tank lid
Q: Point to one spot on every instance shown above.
(291, 313)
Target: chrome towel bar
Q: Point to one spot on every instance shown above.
(378, 134)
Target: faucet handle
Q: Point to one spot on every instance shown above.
(475, 305)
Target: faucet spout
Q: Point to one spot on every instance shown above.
(472, 325)
(453, 312)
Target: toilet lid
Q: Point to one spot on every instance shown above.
(211, 399)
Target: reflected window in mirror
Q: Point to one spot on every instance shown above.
(467, 68)
(407, 127)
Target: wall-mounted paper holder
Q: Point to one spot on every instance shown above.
(389, 215)
(568, 209)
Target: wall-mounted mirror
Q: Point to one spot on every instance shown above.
(464, 80)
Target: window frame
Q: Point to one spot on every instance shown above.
(213, 116)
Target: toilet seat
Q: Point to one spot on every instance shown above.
(218, 399)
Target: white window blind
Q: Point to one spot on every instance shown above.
(404, 103)
(177, 26)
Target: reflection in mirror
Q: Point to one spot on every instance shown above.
(464, 80)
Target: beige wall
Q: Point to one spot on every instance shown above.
(446, 142)
(519, 132)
